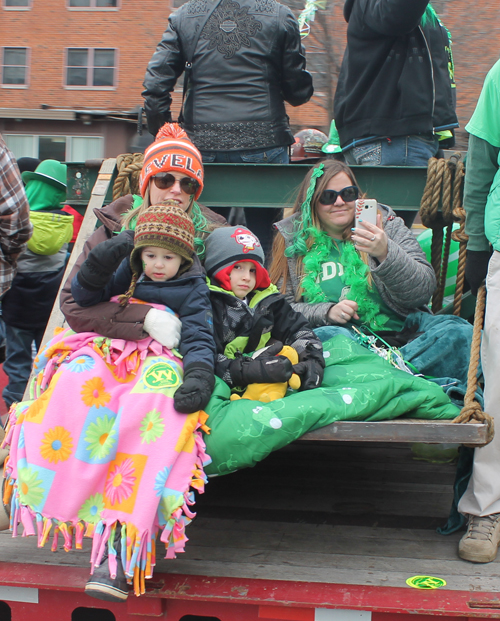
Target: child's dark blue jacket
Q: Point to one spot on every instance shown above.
(188, 296)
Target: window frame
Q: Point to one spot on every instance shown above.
(35, 138)
(26, 66)
(18, 8)
(93, 7)
(90, 69)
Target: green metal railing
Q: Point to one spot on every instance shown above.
(275, 186)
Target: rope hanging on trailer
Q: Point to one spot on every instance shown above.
(472, 412)
(459, 236)
(443, 186)
(129, 167)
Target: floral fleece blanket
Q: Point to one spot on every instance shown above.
(100, 444)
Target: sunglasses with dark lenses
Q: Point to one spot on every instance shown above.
(348, 194)
(163, 181)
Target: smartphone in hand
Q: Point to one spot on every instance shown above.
(366, 210)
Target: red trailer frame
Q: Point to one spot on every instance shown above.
(55, 592)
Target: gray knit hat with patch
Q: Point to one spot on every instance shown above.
(228, 245)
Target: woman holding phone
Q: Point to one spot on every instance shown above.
(344, 275)
(335, 270)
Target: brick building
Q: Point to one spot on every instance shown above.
(72, 70)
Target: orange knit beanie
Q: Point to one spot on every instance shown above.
(172, 151)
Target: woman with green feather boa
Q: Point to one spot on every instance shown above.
(373, 278)
(172, 172)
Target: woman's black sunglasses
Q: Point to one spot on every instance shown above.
(348, 194)
(163, 181)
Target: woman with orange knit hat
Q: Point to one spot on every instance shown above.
(172, 171)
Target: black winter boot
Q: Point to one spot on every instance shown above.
(101, 585)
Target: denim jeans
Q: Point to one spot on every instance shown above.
(397, 151)
(19, 360)
(259, 221)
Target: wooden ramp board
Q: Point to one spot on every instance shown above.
(401, 430)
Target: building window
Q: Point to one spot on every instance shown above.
(90, 67)
(93, 4)
(62, 148)
(17, 4)
(15, 66)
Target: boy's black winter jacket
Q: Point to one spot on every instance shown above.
(396, 77)
(244, 328)
(187, 296)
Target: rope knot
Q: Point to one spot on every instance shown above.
(129, 167)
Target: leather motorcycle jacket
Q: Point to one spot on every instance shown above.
(247, 62)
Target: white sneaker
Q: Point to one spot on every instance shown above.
(480, 542)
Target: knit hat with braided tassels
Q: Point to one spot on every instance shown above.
(163, 226)
(172, 151)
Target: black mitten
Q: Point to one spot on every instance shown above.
(311, 365)
(195, 391)
(265, 368)
(310, 373)
(103, 260)
(476, 268)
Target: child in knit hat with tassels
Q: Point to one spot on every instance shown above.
(163, 269)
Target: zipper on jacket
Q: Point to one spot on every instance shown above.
(432, 76)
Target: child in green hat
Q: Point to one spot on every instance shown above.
(26, 307)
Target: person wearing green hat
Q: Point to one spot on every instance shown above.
(26, 307)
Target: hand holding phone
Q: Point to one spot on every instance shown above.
(368, 236)
(366, 211)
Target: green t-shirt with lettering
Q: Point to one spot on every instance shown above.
(331, 281)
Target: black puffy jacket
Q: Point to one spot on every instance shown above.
(396, 77)
(186, 295)
(243, 327)
(248, 61)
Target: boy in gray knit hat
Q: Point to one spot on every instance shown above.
(250, 314)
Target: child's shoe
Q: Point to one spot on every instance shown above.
(101, 585)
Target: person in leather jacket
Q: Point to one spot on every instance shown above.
(247, 62)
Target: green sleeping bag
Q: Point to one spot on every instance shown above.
(358, 385)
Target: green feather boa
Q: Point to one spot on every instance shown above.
(355, 277)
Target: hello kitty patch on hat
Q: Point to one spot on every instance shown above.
(246, 239)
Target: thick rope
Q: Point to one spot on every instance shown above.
(447, 177)
(441, 187)
(460, 236)
(437, 300)
(472, 412)
(127, 180)
(429, 214)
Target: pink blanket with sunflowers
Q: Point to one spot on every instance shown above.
(100, 444)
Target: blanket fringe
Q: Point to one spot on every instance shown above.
(138, 549)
